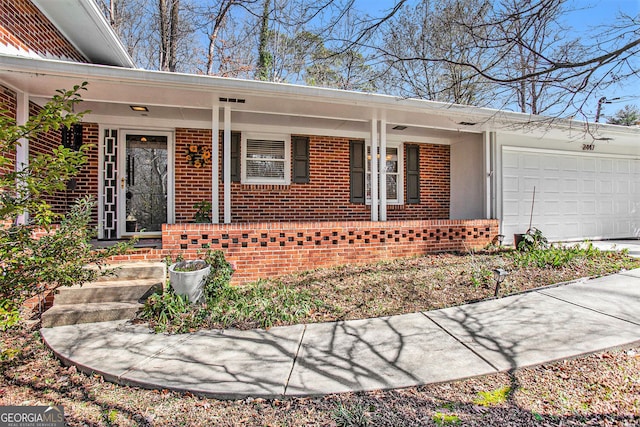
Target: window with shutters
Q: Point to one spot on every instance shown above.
(393, 165)
(266, 159)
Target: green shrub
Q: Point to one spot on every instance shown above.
(533, 239)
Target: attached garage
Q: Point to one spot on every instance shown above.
(578, 195)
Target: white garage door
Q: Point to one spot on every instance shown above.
(578, 196)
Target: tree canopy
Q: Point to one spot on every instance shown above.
(516, 54)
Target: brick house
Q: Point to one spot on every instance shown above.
(303, 177)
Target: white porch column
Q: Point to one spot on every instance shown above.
(383, 170)
(215, 163)
(374, 169)
(490, 183)
(22, 149)
(227, 164)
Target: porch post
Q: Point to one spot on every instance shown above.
(374, 169)
(227, 164)
(490, 174)
(383, 170)
(22, 149)
(215, 163)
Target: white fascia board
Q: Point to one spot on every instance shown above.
(86, 28)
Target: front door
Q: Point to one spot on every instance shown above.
(146, 177)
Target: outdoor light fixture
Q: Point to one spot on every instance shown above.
(500, 239)
(399, 127)
(140, 108)
(499, 275)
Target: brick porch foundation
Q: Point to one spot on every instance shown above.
(261, 250)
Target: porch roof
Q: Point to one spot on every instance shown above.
(187, 100)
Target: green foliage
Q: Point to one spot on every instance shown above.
(442, 419)
(350, 416)
(559, 256)
(166, 309)
(628, 116)
(24, 189)
(533, 239)
(28, 264)
(203, 212)
(493, 398)
(481, 277)
(255, 305)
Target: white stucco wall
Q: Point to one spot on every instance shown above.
(467, 178)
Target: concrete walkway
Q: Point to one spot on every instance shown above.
(383, 353)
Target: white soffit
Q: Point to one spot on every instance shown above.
(83, 24)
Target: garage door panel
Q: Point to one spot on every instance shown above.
(605, 166)
(550, 185)
(569, 185)
(588, 186)
(605, 187)
(587, 165)
(623, 166)
(530, 162)
(577, 196)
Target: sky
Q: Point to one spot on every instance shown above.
(585, 15)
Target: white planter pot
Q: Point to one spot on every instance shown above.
(189, 283)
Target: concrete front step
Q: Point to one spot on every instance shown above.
(72, 314)
(117, 296)
(113, 291)
(136, 270)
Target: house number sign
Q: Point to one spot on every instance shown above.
(588, 147)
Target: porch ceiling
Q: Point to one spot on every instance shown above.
(181, 100)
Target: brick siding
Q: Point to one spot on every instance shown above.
(24, 27)
(324, 198)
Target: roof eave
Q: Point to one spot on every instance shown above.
(84, 25)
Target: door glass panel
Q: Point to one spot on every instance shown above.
(146, 183)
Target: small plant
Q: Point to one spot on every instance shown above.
(203, 212)
(352, 416)
(442, 419)
(481, 277)
(533, 239)
(493, 398)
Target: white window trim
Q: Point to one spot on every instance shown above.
(287, 158)
(400, 190)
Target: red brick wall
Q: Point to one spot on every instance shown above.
(260, 250)
(23, 26)
(192, 184)
(324, 198)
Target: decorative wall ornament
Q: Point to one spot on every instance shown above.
(198, 155)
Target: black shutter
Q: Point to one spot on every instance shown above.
(72, 137)
(300, 159)
(413, 174)
(357, 171)
(235, 157)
